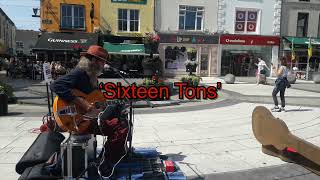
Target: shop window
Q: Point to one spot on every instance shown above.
(302, 24)
(72, 16)
(175, 57)
(128, 20)
(246, 21)
(191, 18)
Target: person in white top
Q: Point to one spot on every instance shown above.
(280, 85)
(261, 65)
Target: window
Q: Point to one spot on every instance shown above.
(128, 20)
(19, 52)
(19, 44)
(72, 17)
(246, 21)
(319, 26)
(191, 18)
(302, 24)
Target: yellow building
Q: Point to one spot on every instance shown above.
(70, 15)
(127, 17)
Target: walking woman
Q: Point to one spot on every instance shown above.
(280, 85)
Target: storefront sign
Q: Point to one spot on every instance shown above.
(66, 41)
(130, 1)
(189, 39)
(250, 40)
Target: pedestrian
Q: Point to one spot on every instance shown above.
(280, 85)
(261, 71)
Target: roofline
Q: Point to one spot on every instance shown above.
(2, 12)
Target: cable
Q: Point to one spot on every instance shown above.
(103, 155)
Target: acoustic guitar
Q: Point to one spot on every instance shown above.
(69, 116)
(269, 130)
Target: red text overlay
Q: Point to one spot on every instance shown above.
(117, 91)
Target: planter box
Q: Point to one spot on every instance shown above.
(3, 104)
(316, 77)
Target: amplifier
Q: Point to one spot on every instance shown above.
(74, 155)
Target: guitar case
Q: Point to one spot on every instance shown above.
(46, 144)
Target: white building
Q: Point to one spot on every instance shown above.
(186, 29)
(250, 30)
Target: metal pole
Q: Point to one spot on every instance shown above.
(49, 108)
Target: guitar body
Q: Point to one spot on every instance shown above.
(69, 116)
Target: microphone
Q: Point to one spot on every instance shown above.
(108, 67)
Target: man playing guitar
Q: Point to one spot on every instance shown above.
(85, 79)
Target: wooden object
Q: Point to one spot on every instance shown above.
(269, 130)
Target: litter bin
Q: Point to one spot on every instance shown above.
(3, 104)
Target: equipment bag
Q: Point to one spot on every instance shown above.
(37, 172)
(40, 151)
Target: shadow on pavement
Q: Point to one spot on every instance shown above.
(292, 110)
(14, 113)
(176, 157)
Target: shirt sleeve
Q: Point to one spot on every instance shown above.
(64, 85)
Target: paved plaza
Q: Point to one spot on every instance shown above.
(208, 139)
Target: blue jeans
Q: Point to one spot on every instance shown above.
(279, 86)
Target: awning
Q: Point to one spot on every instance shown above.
(65, 41)
(133, 49)
(303, 41)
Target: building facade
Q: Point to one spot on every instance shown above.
(250, 30)
(300, 25)
(187, 31)
(25, 41)
(127, 17)
(70, 15)
(7, 35)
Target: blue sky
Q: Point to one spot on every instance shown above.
(20, 12)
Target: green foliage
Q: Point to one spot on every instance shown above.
(6, 89)
(192, 80)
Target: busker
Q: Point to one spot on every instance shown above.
(85, 79)
(281, 84)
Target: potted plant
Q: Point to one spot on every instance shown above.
(191, 66)
(191, 80)
(151, 66)
(151, 43)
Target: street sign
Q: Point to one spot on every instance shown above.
(47, 72)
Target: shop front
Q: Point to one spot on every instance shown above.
(240, 53)
(176, 49)
(295, 49)
(125, 57)
(63, 46)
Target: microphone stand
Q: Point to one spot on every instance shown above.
(131, 120)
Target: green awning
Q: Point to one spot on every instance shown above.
(303, 41)
(124, 48)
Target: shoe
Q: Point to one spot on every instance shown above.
(106, 169)
(276, 109)
(282, 109)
